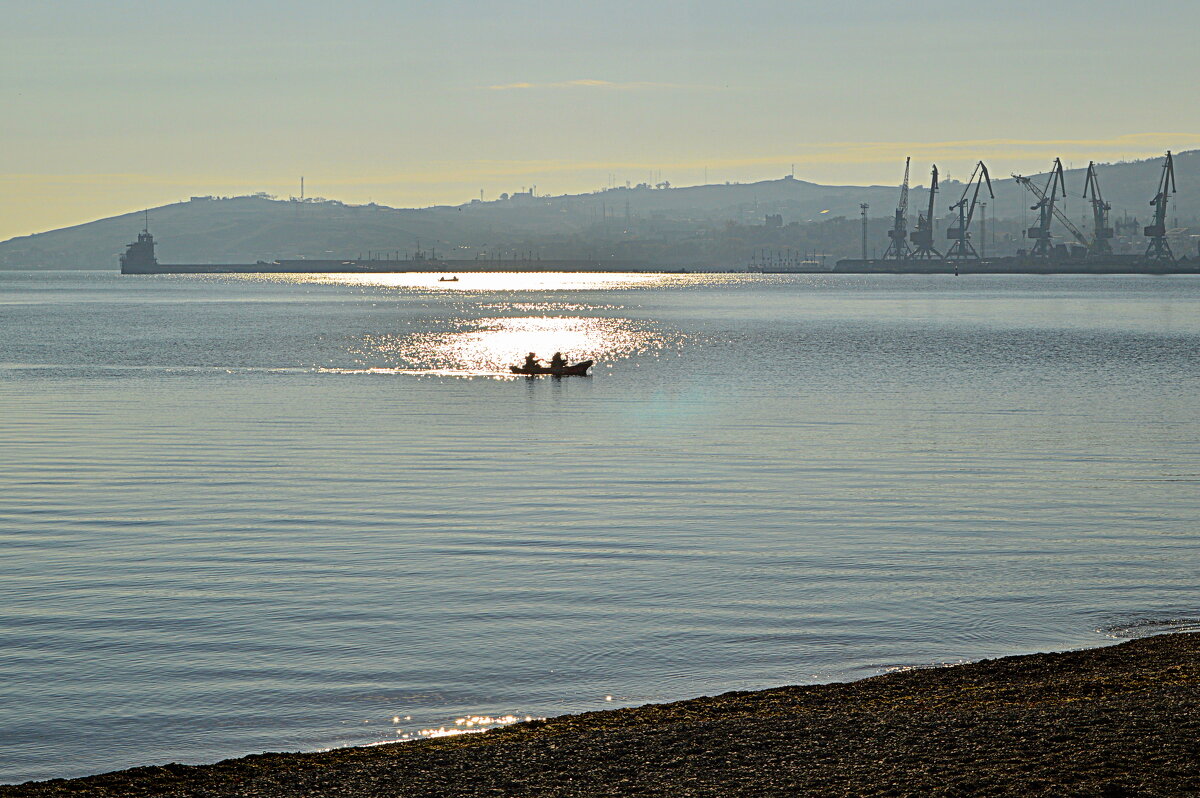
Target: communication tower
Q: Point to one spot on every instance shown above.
(862, 207)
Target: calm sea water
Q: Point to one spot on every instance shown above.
(259, 513)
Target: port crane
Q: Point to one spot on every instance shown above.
(1158, 249)
(898, 248)
(959, 230)
(922, 237)
(1047, 208)
(1100, 208)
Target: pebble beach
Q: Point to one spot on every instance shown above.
(1121, 720)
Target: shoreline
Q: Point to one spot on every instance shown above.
(1120, 720)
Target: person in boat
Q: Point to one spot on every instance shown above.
(531, 362)
(558, 361)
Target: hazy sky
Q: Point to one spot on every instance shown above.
(113, 106)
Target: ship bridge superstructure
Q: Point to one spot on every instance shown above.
(139, 255)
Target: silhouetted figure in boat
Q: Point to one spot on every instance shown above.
(557, 367)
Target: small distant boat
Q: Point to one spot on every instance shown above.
(579, 369)
(447, 279)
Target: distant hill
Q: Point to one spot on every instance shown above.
(663, 220)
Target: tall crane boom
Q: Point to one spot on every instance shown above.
(1101, 231)
(922, 237)
(959, 230)
(1048, 208)
(1158, 248)
(898, 248)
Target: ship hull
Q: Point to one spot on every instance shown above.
(391, 266)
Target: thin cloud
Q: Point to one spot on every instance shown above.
(586, 83)
(810, 154)
(822, 156)
(1121, 144)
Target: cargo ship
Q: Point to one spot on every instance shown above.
(780, 262)
(139, 258)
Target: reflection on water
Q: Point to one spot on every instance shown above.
(474, 724)
(1144, 627)
(490, 346)
(494, 281)
(471, 724)
(222, 533)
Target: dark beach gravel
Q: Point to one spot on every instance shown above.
(1117, 721)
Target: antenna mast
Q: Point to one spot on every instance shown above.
(863, 206)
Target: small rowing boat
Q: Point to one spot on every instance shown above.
(579, 369)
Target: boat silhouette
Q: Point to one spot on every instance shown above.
(579, 369)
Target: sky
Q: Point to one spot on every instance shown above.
(118, 105)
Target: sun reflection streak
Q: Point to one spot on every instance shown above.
(490, 346)
(488, 282)
(471, 724)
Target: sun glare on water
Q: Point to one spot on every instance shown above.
(454, 344)
(487, 347)
(493, 281)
